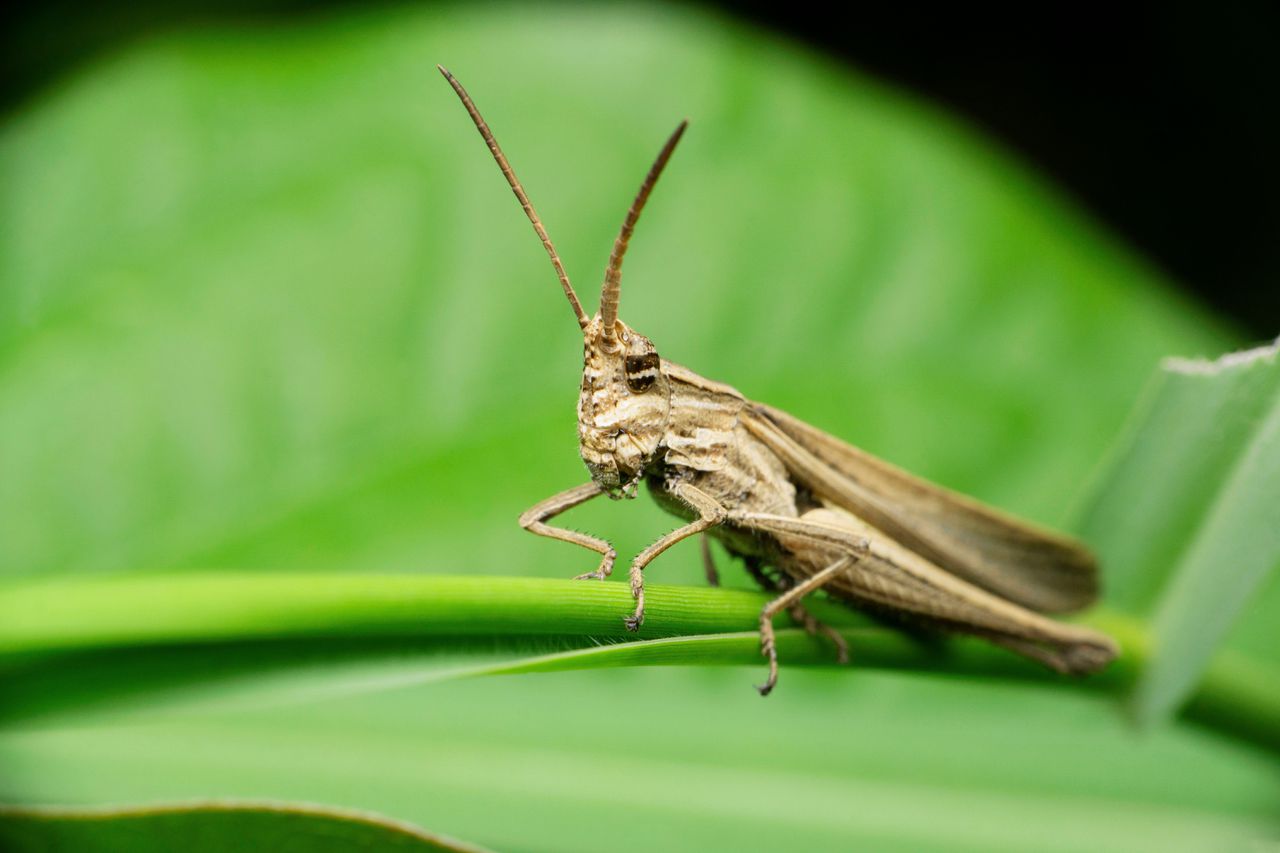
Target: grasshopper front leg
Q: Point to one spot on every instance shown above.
(710, 514)
(535, 517)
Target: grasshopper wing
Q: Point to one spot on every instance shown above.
(897, 581)
(1014, 559)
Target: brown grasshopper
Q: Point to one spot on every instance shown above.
(803, 510)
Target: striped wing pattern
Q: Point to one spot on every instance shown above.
(1013, 559)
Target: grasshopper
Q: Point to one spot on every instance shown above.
(804, 510)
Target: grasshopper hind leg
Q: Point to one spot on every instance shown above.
(813, 627)
(780, 582)
(788, 600)
(709, 561)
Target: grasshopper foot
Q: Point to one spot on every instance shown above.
(605, 569)
(635, 620)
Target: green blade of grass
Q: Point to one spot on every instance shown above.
(197, 607)
(121, 614)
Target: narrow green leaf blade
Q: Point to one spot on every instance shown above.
(214, 827)
(205, 607)
(80, 647)
(1188, 517)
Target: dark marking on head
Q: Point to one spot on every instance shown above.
(642, 371)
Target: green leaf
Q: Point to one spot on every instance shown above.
(268, 303)
(212, 828)
(1188, 518)
(690, 760)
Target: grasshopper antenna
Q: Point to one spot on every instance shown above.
(613, 273)
(507, 171)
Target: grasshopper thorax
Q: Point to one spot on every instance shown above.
(623, 407)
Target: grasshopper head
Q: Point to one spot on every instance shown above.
(625, 399)
(622, 411)
(623, 407)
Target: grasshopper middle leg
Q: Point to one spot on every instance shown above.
(710, 514)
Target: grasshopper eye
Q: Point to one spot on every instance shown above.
(642, 371)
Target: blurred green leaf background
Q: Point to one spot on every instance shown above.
(266, 305)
